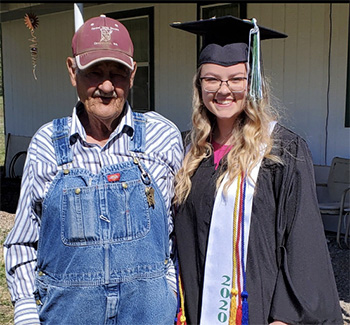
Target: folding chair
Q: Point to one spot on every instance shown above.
(338, 188)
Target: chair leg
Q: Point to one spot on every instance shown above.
(347, 216)
(341, 210)
(339, 227)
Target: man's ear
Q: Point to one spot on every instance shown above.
(71, 66)
(132, 76)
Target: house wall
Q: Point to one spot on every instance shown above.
(297, 67)
(29, 103)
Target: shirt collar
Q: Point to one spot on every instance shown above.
(126, 124)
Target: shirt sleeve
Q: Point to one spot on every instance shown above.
(20, 252)
(26, 312)
(177, 152)
(305, 291)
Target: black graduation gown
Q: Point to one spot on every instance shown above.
(289, 273)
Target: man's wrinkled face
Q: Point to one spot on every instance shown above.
(103, 88)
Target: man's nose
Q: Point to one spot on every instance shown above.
(106, 86)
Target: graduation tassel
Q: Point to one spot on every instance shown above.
(244, 294)
(180, 318)
(240, 234)
(233, 307)
(235, 259)
(255, 89)
(245, 308)
(239, 315)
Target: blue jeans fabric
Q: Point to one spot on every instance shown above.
(103, 250)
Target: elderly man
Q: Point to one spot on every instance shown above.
(92, 238)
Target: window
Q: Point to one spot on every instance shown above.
(140, 26)
(223, 9)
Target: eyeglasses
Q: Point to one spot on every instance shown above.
(212, 85)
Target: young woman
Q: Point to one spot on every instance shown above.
(248, 228)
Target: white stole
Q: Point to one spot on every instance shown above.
(218, 266)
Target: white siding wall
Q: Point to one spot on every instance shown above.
(298, 68)
(29, 103)
(176, 58)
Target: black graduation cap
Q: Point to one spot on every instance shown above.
(225, 39)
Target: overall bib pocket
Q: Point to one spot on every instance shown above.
(111, 212)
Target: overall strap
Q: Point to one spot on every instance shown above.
(137, 142)
(60, 140)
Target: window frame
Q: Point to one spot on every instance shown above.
(242, 7)
(139, 13)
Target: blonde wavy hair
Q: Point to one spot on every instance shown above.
(250, 134)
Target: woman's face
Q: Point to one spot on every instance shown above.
(224, 103)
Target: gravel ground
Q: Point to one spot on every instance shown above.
(340, 261)
(340, 257)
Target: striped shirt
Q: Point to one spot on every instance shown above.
(162, 157)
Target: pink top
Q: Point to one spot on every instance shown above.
(220, 150)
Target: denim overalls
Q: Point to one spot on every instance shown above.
(103, 246)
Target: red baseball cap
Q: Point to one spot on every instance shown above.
(102, 39)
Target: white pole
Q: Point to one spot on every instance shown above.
(78, 15)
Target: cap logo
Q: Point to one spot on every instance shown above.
(106, 33)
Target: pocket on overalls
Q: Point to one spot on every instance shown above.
(128, 210)
(80, 223)
(117, 209)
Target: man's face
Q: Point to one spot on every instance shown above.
(103, 88)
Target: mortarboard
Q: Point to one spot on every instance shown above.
(229, 40)
(225, 39)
